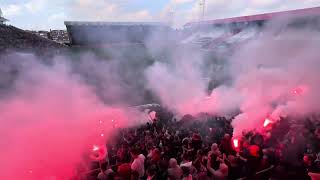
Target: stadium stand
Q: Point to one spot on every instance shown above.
(231, 31)
(83, 33)
(260, 18)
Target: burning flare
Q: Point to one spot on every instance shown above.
(95, 148)
(236, 143)
(297, 91)
(267, 122)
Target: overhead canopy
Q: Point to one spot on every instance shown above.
(263, 17)
(105, 23)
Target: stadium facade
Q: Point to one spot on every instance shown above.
(260, 19)
(205, 33)
(99, 33)
(221, 33)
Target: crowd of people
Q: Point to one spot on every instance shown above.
(203, 148)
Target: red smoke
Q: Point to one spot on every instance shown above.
(50, 122)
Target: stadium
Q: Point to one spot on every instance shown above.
(226, 99)
(241, 29)
(97, 33)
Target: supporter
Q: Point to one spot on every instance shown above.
(186, 146)
(221, 172)
(317, 158)
(138, 162)
(203, 151)
(185, 161)
(122, 153)
(214, 149)
(106, 174)
(135, 175)
(196, 141)
(264, 164)
(234, 168)
(225, 145)
(308, 163)
(124, 170)
(155, 155)
(253, 160)
(151, 173)
(200, 167)
(174, 172)
(186, 173)
(162, 172)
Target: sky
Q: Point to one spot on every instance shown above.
(51, 14)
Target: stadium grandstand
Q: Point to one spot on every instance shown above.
(241, 29)
(2, 19)
(104, 33)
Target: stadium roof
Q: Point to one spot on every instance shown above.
(103, 23)
(261, 17)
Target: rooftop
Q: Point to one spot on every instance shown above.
(104, 23)
(266, 16)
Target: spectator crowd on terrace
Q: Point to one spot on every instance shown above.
(202, 147)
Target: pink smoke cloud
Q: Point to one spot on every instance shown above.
(51, 121)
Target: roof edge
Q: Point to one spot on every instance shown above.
(102, 23)
(264, 16)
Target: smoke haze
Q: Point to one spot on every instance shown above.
(51, 111)
(51, 119)
(274, 74)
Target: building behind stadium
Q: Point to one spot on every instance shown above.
(2, 19)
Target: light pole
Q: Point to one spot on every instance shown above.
(203, 9)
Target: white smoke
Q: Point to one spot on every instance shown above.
(269, 70)
(179, 83)
(274, 74)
